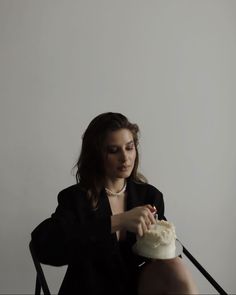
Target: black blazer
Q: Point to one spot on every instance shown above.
(81, 237)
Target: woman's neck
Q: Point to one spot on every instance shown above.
(115, 185)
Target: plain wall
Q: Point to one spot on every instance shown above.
(168, 65)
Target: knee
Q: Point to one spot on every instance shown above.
(180, 280)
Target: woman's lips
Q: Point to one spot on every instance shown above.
(124, 168)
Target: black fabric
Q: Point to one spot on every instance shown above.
(81, 237)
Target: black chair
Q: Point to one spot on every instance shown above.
(41, 282)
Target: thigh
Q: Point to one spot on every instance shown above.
(166, 277)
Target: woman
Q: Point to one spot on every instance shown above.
(97, 220)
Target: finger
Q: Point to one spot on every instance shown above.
(140, 230)
(146, 211)
(151, 218)
(148, 216)
(148, 224)
(144, 225)
(151, 208)
(147, 221)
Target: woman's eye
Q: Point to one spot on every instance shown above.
(130, 148)
(115, 150)
(112, 150)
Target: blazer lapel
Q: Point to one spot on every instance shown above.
(104, 208)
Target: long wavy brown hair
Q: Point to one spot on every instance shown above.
(90, 172)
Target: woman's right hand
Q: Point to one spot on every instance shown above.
(136, 220)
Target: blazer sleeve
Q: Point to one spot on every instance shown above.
(70, 235)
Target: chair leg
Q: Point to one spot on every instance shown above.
(40, 278)
(37, 286)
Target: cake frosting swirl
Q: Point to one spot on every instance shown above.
(158, 242)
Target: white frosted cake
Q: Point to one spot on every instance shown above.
(158, 242)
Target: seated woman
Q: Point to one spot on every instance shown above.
(97, 220)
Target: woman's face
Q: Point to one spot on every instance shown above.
(120, 154)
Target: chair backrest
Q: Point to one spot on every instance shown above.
(41, 282)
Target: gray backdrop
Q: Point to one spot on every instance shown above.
(168, 65)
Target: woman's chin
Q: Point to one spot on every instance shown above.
(124, 174)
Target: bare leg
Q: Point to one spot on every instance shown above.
(166, 277)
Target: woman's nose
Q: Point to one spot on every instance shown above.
(124, 156)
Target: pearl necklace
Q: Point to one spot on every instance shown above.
(112, 194)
